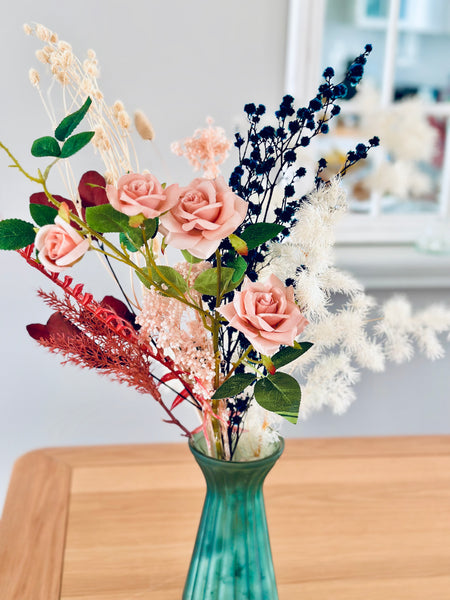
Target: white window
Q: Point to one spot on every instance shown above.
(401, 194)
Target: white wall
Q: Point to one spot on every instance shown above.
(179, 61)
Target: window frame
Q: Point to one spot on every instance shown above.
(302, 76)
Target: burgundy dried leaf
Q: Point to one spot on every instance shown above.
(41, 198)
(38, 331)
(56, 325)
(92, 190)
(119, 307)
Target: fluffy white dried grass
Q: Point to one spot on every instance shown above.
(348, 328)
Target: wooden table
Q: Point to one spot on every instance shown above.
(350, 519)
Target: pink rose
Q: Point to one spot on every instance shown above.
(136, 194)
(266, 314)
(59, 245)
(206, 211)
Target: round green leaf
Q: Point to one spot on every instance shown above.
(206, 282)
(43, 215)
(169, 277)
(189, 258)
(104, 219)
(279, 393)
(234, 385)
(258, 233)
(45, 146)
(289, 353)
(75, 143)
(16, 234)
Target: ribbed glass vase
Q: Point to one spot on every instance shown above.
(232, 559)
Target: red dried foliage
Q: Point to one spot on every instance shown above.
(106, 341)
(93, 344)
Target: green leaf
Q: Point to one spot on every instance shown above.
(71, 122)
(289, 353)
(257, 234)
(133, 237)
(189, 258)
(234, 385)
(43, 215)
(279, 393)
(105, 219)
(45, 146)
(239, 265)
(128, 243)
(238, 244)
(206, 282)
(169, 277)
(75, 143)
(16, 234)
(151, 227)
(144, 280)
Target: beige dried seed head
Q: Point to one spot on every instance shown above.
(86, 86)
(63, 78)
(143, 126)
(90, 68)
(117, 107)
(62, 45)
(66, 58)
(42, 56)
(27, 29)
(123, 119)
(42, 33)
(34, 77)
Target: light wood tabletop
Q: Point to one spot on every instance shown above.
(350, 519)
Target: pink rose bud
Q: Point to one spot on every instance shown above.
(205, 212)
(59, 246)
(139, 194)
(266, 314)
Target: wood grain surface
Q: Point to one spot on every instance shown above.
(350, 519)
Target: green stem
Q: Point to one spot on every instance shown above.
(238, 362)
(18, 165)
(215, 333)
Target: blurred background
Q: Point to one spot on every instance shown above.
(181, 62)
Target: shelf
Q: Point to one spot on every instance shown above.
(394, 266)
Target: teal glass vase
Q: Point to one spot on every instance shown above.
(232, 559)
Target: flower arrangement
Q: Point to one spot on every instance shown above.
(248, 310)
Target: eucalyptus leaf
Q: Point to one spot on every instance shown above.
(71, 122)
(16, 234)
(289, 353)
(234, 385)
(206, 282)
(279, 393)
(75, 143)
(258, 233)
(42, 214)
(170, 277)
(45, 146)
